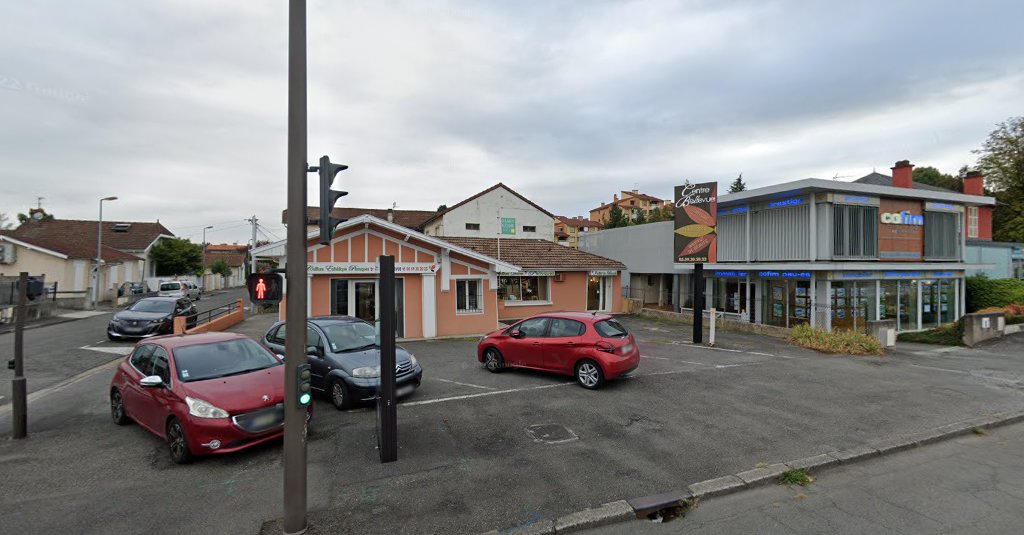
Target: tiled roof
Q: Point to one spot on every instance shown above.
(232, 259)
(226, 247)
(488, 190)
(643, 196)
(78, 249)
(573, 222)
(136, 237)
(878, 179)
(413, 219)
(535, 253)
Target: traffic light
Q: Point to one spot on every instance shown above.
(302, 375)
(328, 197)
(265, 288)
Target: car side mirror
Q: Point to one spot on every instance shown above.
(517, 334)
(314, 351)
(151, 381)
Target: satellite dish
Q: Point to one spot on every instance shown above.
(38, 216)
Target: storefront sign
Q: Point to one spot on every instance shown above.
(784, 274)
(603, 273)
(856, 274)
(901, 230)
(943, 274)
(733, 210)
(788, 202)
(903, 274)
(365, 268)
(508, 225)
(535, 274)
(730, 273)
(941, 206)
(903, 218)
(696, 216)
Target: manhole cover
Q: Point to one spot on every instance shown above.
(551, 433)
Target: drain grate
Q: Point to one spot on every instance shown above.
(551, 434)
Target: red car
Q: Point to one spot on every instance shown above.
(202, 393)
(592, 348)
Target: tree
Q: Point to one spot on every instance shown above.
(43, 216)
(220, 267)
(655, 215)
(442, 208)
(177, 256)
(738, 185)
(616, 218)
(668, 213)
(5, 222)
(1001, 160)
(933, 177)
(641, 218)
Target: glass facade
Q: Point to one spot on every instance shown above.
(852, 304)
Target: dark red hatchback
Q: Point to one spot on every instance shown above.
(592, 348)
(202, 393)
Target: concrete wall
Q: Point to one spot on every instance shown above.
(485, 210)
(219, 323)
(979, 327)
(643, 248)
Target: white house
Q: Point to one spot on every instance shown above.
(495, 212)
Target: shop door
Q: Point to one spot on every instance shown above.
(775, 304)
(358, 298)
(594, 293)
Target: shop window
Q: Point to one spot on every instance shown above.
(529, 228)
(972, 221)
(469, 296)
(523, 288)
(941, 235)
(855, 231)
(472, 226)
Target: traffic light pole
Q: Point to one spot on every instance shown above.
(18, 386)
(295, 314)
(387, 408)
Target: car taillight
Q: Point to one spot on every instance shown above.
(627, 349)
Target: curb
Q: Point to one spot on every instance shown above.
(635, 508)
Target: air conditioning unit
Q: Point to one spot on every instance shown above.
(7, 253)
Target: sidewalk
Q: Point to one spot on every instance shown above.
(61, 315)
(972, 484)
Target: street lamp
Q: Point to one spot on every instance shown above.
(203, 272)
(99, 255)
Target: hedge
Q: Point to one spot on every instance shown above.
(983, 292)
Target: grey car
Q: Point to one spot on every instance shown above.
(344, 360)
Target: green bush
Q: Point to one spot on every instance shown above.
(983, 292)
(946, 335)
(847, 342)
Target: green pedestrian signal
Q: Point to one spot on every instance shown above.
(302, 375)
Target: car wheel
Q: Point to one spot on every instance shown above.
(589, 374)
(117, 408)
(493, 360)
(340, 397)
(177, 442)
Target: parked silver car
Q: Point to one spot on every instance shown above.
(179, 289)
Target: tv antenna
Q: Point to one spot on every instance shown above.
(837, 176)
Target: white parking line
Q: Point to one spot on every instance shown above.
(116, 350)
(482, 394)
(650, 357)
(458, 383)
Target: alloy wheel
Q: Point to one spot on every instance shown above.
(588, 375)
(117, 407)
(338, 394)
(176, 441)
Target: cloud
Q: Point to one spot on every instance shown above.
(179, 107)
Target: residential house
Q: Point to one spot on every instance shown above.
(569, 229)
(632, 204)
(235, 256)
(496, 211)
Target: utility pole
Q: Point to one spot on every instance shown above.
(203, 276)
(295, 314)
(99, 255)
(18, 386)
(252, 261)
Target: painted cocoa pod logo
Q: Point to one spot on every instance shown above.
(697, 245)
(695, 231)
(699, 216)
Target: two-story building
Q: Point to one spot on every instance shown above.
(837, 254)
(569, 229)
(497, 211)
(632, 204)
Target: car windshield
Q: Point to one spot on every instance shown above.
(167, 286)
(222, 359)
(351, 336)
(610, 329)
(152, 305)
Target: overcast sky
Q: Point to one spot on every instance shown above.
(179, 107)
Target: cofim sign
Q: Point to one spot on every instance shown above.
(364, 268)
(903, 218)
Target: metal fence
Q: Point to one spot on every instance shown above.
(207, 316)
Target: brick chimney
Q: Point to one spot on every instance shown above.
(903, 174)
(615, 197)
(974, 183)
(391, 215)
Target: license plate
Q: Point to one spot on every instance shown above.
(264, 420)
(404, 390)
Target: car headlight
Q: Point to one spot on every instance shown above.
(203, 409)
(412, 360)
(161, 320)
(367, 372)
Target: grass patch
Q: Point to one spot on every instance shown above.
(946, 335)
(796, 477)
(846, 342)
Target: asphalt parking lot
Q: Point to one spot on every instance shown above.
(481, 451)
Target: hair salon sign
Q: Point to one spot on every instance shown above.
(696, 215)
(365, 268)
